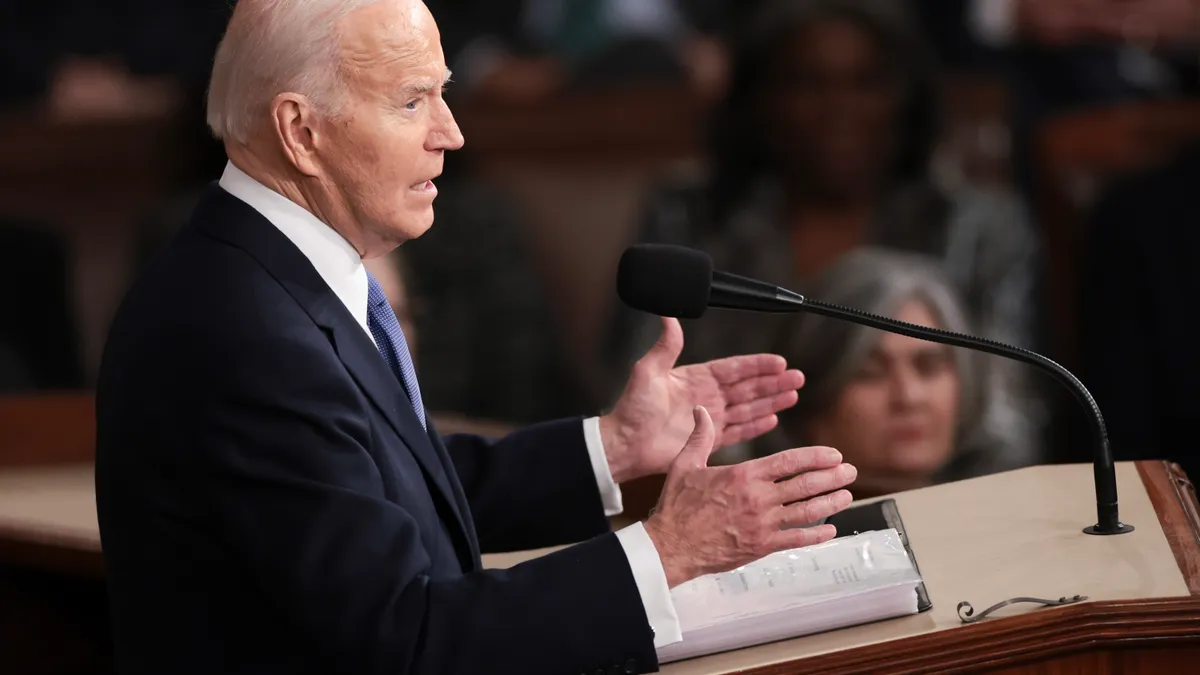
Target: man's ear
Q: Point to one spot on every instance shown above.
(295, 125)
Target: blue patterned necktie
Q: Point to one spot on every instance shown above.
(389, 340)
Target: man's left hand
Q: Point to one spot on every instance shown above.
(653, 418)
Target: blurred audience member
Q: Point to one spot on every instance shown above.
(87, 61)
(906, 412)
(822, 146)
(38, 348)
(527, 50)
(1065, 55)
(1138, 323)
(104, 59)
(497, 354)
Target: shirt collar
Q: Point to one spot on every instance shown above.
(331, 255)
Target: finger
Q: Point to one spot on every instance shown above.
(813, 483)
(813, 510)
(699, 446)
(763, 407)
(740, 433)
(669, 346)
(736, 368)
(763, 386)
(799, 537)
(802, 514)
(795, 461)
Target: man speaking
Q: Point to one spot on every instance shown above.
(272, 495)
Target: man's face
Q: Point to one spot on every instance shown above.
(383, 152)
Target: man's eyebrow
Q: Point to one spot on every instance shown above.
(424, 87)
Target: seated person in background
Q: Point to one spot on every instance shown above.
(474, 281)
(1066, 55)
(906, 412)
(528, 50)
(394, 273)
(39, 347)
(823, 145)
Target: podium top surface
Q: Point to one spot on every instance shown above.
(989, 539)
(986, 540)
(982, 540)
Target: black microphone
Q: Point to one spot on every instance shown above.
(680, 282)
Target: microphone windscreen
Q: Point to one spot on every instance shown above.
(665, 280)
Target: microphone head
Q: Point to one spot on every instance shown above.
(665, 280)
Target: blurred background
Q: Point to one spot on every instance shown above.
(1026, 170)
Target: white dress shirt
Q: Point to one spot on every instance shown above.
(343, 271)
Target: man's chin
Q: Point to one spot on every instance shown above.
(415, 225)
(423, 225)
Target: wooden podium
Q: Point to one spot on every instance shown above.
(1014, 534)
(982, 541)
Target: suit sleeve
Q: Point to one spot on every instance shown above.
(533, 488)
(297, 498)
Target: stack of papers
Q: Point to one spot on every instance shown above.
(844, 582)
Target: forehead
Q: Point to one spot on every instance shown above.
(390, 41)
(913, 311)
(828, 40)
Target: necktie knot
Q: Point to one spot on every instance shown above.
(375, 294)
(392, 346)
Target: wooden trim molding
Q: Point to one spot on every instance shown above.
(1037, 637)
(1174, 499)
(1030, 638)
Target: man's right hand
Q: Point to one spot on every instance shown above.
(714, 519)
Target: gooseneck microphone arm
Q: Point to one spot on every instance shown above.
(730, 291)
(1108, 520)
(680, 282)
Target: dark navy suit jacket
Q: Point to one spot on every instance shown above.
(269, 502)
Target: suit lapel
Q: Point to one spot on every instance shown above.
(372, 373)
(231, 220)
(459, 495)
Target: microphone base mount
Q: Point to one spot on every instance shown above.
(1121, 528)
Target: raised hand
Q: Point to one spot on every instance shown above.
(714, 519)
(653, 417)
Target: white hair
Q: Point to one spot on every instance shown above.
(273, 46)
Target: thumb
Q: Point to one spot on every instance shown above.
(699, 446)
(666, 351)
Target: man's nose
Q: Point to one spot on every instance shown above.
(445, 134)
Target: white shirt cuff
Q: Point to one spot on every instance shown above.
(610, 492)
(651, 583)
(994, 21)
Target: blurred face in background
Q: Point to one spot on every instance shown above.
(831, 103)
(900, 413)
